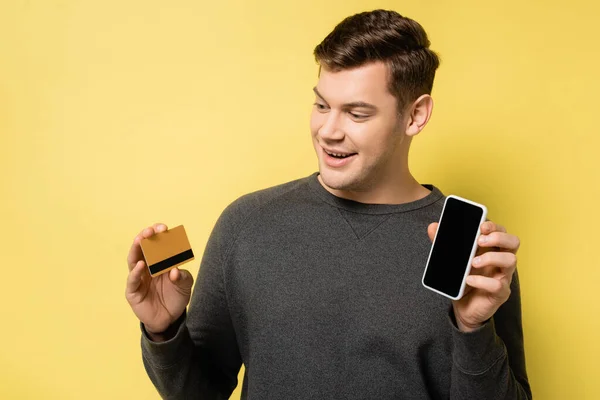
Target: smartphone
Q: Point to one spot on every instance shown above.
(454, 247)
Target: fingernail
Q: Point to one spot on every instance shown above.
(477, 260)
(483, 239)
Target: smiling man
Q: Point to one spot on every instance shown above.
(315, 285)
(362, 139)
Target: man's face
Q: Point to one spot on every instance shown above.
(356, 129)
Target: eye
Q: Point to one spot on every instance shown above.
(358, 116)
(321, 107)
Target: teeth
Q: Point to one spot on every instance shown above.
(338, 155)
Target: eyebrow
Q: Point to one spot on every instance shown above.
(354, 104)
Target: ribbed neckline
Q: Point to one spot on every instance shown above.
(364, 208)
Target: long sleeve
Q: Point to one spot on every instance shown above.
(489, 363)
(202, 360)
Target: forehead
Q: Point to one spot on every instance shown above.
(368, 83)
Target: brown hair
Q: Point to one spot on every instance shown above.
(387, 36)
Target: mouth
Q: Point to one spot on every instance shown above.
(337, 159)
(338, 155)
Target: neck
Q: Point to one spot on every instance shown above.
(404, 189)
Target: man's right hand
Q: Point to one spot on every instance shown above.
(158, 301)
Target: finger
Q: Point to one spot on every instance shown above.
(502, 240)
(431, 230)
(495, 259)
(159, 227)
(489, 226)
(135, 252)
(148, 232)
(134, 280)
(495, 287)
(181, 278)
(505, 276)
(154, 229)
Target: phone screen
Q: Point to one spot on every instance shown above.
(453, 245)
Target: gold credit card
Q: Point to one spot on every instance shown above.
(166, 250)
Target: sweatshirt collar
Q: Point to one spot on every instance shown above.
(365, 208)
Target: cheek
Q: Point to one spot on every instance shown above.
(364, 137)
(373, 140)
(315, 122)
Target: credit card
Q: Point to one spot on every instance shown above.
(166, 250)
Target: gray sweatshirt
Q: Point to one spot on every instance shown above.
(321, 298)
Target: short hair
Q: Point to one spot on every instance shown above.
(382, 35)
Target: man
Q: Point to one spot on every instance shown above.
(315, 285)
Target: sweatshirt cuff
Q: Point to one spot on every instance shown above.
(168, 353)
(477, 351)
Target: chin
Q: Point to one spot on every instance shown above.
(338, 180)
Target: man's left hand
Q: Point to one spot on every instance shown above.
(488, 285)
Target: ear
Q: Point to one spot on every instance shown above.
(419, 114)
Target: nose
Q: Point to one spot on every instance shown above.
(331, 130)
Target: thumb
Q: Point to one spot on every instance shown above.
(181, 278)
(431, 230)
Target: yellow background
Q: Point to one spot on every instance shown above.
(117, 114)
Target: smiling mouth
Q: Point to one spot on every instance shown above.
(339, 155)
